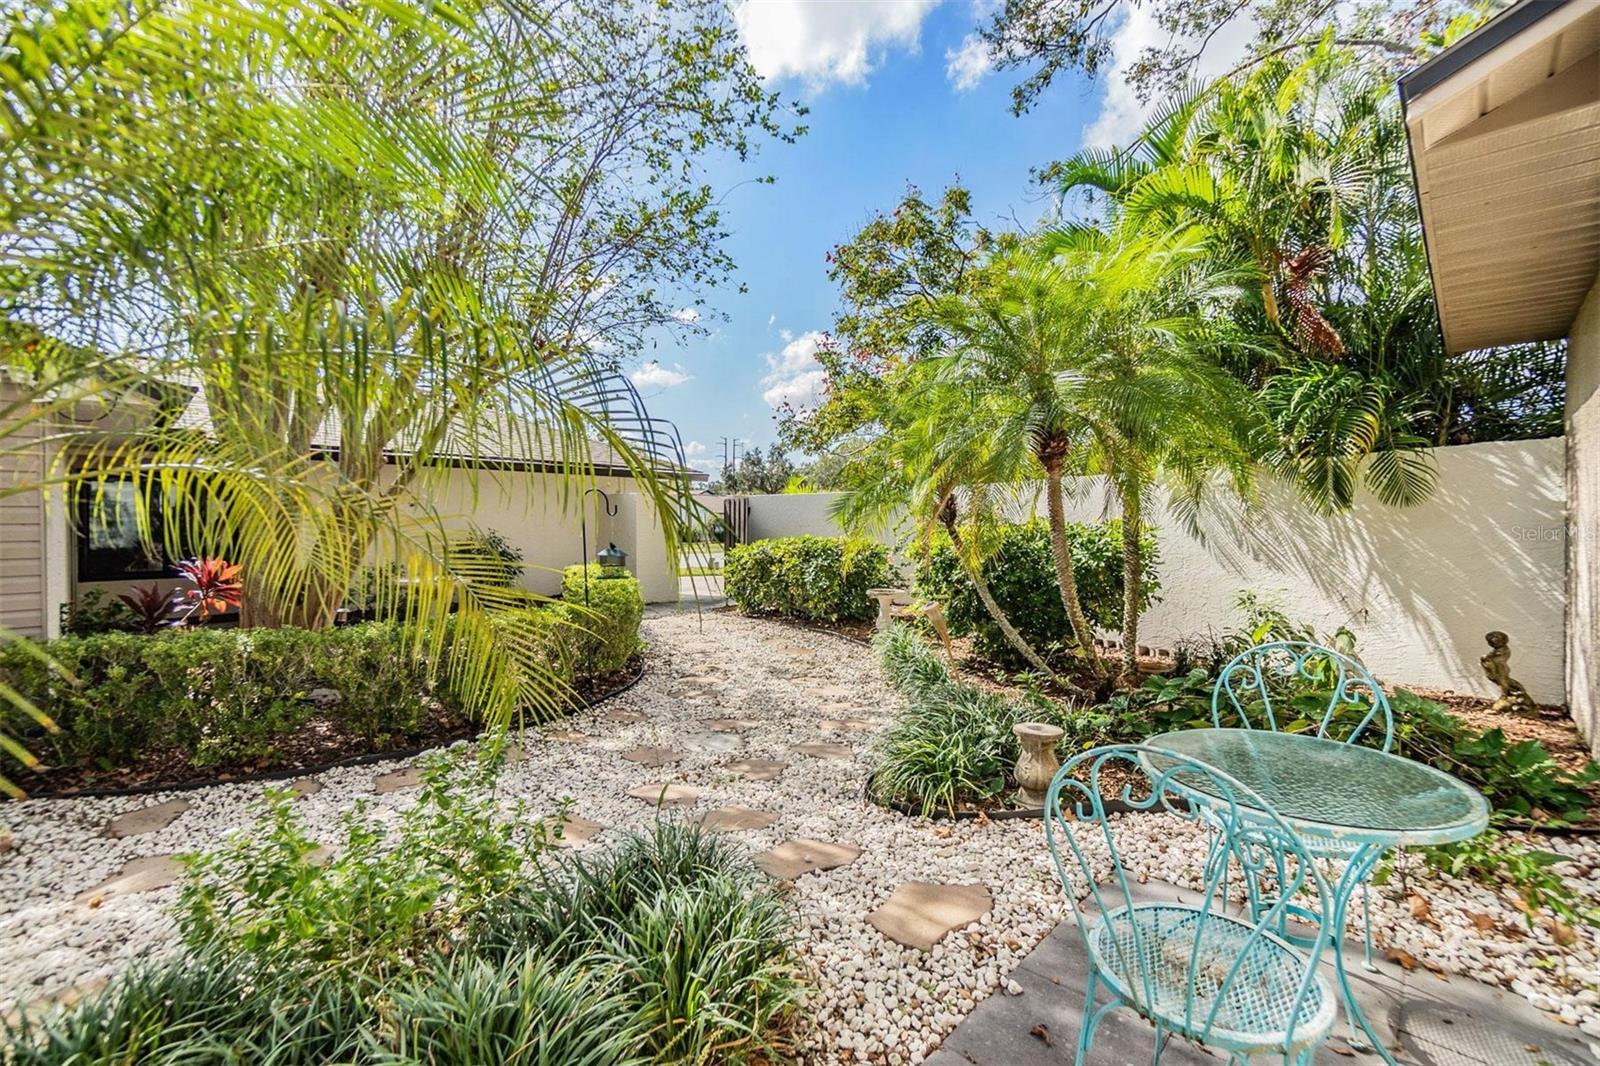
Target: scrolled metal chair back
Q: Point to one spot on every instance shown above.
(1082, 837)
(1295, 686)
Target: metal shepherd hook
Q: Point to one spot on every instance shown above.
(583, 516)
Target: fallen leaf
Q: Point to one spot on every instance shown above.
(1560, 931)
(1421, 910)
(95, 901)
(942, 832)
(1532, 1049)
(1042, 1031)
(1403, 958)
(1484, 923)
(1340, 1049)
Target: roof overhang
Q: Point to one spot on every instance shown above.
(1504, 128)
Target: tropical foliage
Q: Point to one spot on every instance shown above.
(286, 269)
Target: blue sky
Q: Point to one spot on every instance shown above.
(889, 105)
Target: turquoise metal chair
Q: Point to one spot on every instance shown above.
(1226, 981)
(1301, 687)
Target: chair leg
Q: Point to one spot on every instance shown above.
(1090, 1019)
(1161, 1035)
(1366, 915)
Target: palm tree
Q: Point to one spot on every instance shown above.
(935, 461)
(1090, 351)
(333, 250)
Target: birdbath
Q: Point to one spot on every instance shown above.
(1037, 764)
(888, 600)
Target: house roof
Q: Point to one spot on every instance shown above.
(1504, 128)
(501, 442)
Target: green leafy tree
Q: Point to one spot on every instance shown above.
(369, 243)
(756, 474)
(1050, 37)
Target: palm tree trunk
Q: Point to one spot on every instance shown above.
(1082, 632)
(996, 612)
(1132, 585)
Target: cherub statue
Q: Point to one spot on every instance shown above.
(1497, 666)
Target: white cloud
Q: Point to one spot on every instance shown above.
(1121, 115)
(771, 319)
(793, 375)
(686, 315)
(968, 65)
(822, 41)
(694, 448)
(654, 375)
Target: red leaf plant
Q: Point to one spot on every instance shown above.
(151, 606)
(216, 587)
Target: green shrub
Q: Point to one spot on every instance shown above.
(1021, 573)
(953, 746)
(607, 635)
(222, 696)
(817, 579)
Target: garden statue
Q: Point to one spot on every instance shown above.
(1497, 666)
(1036, 761)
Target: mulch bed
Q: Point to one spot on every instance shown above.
(319, 745)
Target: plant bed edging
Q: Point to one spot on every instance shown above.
(636, 674)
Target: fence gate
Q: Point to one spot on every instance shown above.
(736, 520)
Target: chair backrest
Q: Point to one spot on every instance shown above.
(1152, 951)
(1292, 686)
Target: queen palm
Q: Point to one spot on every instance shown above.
(1088, 352)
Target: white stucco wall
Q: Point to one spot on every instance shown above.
(1419, 586)
(1583, 519)
(792, 514)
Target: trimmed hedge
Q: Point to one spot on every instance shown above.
(238, 697)
(223, 696)
(818, 579)
(1022, 575)
(608, 634)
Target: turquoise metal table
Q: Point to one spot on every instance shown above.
(1359, 799)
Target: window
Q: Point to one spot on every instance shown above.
(109, 545)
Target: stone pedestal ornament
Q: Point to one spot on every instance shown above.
(888, 600)
(1037, 762)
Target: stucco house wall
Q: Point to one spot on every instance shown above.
(1583, 519)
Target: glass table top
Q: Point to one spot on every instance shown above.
(1335, 790)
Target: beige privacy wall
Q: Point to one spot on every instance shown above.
(1419, 586)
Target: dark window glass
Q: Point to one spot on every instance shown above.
(109, 545)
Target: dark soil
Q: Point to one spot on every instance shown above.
(319, 745)
(860, 632)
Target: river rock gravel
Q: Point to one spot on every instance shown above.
(722, 693)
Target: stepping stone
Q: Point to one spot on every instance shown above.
(836, 692)
(146, 819)
(623, 716)
(802, 855)
(650, 755)
(735, 819)
(576, 831)
(666, 795)
(144, 874)
(826, 751)
(565, 736)
(305, 786)
(920, 913)
(319, 855)
(712, 743)
(846, 725)
(758, 769)
(730, 725)
(405, 777)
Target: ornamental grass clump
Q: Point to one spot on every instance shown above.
(454, 938)
(952, 748)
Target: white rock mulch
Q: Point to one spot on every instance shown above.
(875, 1000)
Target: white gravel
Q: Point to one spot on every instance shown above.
(876, 1001)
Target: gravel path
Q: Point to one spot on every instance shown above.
(724, 700)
